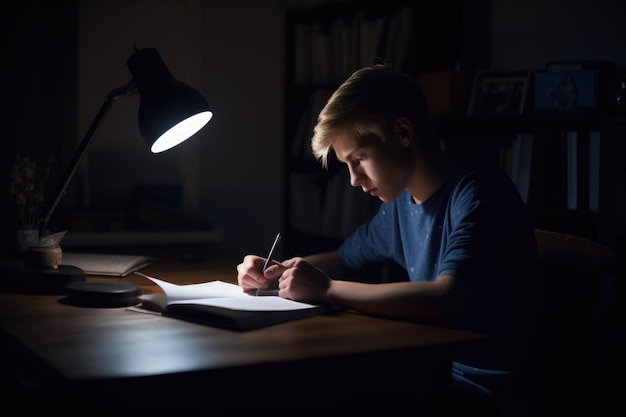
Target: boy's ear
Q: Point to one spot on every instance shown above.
(405, 130)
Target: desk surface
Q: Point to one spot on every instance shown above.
(79, 345)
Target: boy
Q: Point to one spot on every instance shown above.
(460, 230)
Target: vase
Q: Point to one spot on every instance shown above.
(26, 236)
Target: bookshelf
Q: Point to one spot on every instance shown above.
(563, 163)
(565, 159)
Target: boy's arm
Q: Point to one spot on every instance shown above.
(330, 263)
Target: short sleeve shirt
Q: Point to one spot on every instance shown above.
(475, 227)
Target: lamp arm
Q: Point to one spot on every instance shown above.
(124, 90)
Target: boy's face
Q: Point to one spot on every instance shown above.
(379, 168)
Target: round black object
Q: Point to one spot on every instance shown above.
(102, 294)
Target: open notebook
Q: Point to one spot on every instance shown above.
(221, 304)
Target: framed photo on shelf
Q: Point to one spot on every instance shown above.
(498, 93)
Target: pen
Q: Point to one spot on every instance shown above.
(269, 257)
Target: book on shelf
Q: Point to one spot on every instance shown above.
(305, 197)
(106, 264)
(583, 170)
(572, 169)
(329, 50)
(372, 29)
(594, 170)
(301, 145)
(398, 37)
(222, 304)
(521, 163)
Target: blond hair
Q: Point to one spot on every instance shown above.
(368, 103)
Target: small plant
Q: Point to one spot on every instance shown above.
(26, 186)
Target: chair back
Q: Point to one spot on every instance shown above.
(576, 279)
(573, 271)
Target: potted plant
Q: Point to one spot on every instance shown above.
(26, 187)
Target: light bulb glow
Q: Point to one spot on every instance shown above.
(181, 131)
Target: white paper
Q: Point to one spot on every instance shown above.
(225, 295)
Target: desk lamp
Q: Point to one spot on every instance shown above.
(169, 113)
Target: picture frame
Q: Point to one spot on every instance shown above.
(499, 93)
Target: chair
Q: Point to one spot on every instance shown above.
(577, 281)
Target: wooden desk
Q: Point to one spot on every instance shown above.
(124, 360)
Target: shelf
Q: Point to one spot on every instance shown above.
(523, 123)
(183, 237)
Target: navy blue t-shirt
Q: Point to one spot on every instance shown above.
(476, 227)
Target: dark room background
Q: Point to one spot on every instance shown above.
(61, 58)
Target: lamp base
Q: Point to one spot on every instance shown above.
(102, 294)
(28, 280)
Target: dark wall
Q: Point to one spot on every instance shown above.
(38, 74)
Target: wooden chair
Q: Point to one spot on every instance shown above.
(577, 279)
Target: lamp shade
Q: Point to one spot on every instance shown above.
(170, 112)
